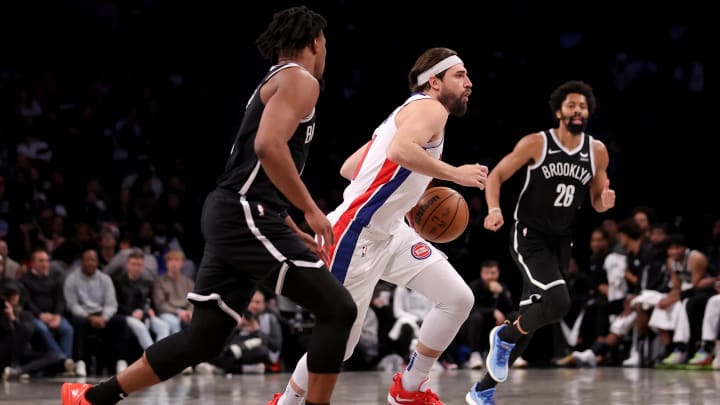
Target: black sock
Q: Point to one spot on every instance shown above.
(107, 392)
(510, 334)
(486, 383)
(709, 346)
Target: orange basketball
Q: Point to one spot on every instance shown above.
(441, 215)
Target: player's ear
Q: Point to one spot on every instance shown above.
(315, 45)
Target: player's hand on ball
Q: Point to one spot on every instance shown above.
(471, 176)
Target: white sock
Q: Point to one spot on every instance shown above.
(290, 397)
(300, 378)
(417, 372)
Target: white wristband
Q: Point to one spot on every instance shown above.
(493, 210)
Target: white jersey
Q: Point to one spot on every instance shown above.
(381, 191)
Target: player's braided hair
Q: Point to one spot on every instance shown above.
(290, 31)
(573, 86)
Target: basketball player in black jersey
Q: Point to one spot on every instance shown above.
(250, 239)
(562, 165)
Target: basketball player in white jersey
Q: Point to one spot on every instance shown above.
(388, 176)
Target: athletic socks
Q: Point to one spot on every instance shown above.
(290, 397)
(510, 334)
(107, 392)
(417, 371)
(486, 383)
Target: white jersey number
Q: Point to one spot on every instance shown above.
(566, 195)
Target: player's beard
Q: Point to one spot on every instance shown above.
(455, 105)
(576, 129)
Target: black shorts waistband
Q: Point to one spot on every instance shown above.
(235, 195)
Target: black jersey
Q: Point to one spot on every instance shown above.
(555, 186)
(682, 269)
(243, 171)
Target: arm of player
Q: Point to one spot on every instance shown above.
(295, 95)
(349, 167)
(417, 124)
(674, 295)
(528, 149)
(602, 196)
(308, 240)
(698, 264)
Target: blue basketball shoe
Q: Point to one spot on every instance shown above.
(499, 355)
(484, 397)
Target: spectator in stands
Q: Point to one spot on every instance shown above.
(170, 293)
(493, 305)
(90, 297)
(117, 263)
(11, 266)
(256, 342)
(17, 357)
(678, 316)
(47, 303)
(134, 302)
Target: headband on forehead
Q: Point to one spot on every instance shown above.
(441, 66)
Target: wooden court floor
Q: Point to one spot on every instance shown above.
(533, 386)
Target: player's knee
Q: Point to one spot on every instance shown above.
(342, 312)
(173, 354)
(556, 301)
(457, 303)
(460, 303)
(347, 312)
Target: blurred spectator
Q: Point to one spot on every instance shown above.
(17, 357)
(10, 265)
(170, 293)
(108, 248)
(47, 303)
(493, 305)
(678, 316)
(117, 263)
(134, 302)
(101, 332)
(256, 343)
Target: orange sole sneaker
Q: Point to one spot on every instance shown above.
(74, 394)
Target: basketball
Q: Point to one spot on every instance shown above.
(440, 216)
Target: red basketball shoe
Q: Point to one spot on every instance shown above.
(74, 394)
(398, 395)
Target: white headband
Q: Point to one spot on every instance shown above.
(441, 66)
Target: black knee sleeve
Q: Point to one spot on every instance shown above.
(555, 303)
(202, 340)
(326, 351)
(551, 306)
